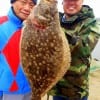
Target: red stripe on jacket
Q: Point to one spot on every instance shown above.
(3, 19)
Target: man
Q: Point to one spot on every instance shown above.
(82, 31)
(13, 83)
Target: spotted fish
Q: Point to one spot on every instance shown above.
(45, 53)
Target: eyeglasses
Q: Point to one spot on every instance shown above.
(25, 2)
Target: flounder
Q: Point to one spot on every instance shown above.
(45, 53)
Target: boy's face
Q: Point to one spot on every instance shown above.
(22, 8)
(72, 7)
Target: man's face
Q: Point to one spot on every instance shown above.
(72, 7)
(22, 8)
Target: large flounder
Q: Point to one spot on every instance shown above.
(45, 53)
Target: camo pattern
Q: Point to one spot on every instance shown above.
(82, 31)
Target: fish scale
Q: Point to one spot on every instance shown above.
(45, 53)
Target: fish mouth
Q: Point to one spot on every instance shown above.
(37, 24)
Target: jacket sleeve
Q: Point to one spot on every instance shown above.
(88, 37)
(94, 34)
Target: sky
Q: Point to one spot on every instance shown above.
(95, 4)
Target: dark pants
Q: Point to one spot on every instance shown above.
(1, 94)
(62, 98)
(26, 96)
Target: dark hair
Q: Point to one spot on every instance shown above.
(34, 1)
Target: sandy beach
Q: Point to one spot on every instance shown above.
(94, 89)
(94, 85)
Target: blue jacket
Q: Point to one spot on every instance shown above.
(12, 78)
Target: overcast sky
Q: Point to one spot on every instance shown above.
(95, 4)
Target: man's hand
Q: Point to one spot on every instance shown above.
(72, 39)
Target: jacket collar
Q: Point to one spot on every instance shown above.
(86, 12)
(12, 16)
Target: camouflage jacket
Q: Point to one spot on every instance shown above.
(82, 32)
